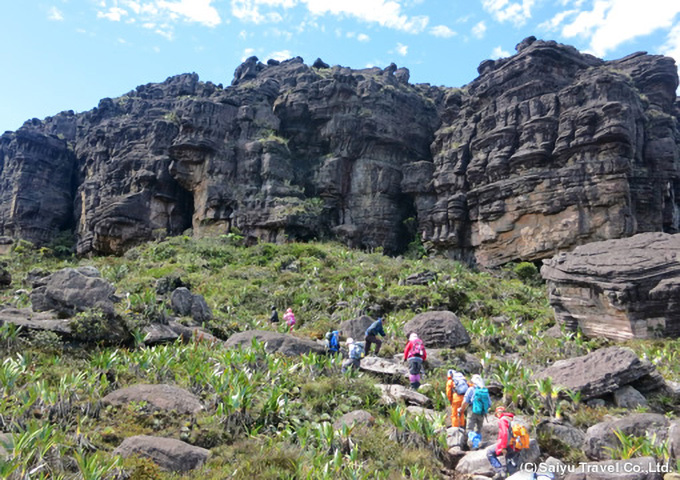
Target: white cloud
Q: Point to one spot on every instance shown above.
(479, 30)
(611, 23)
(672, 45)
(114, 14)
(498, 52)
(55, 14)
(554, 23)
(442, 31)
(506, 11)
(362, 37)
(402, 49)
(281, 55)
(249, 10)
(199, 11)
(387, 13)
(248, 52)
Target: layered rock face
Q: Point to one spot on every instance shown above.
(546, 150)
(619, 289)
(550, 149)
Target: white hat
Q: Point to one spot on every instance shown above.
(413, 336)
(478, 381)
(349, 341)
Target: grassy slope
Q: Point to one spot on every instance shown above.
(267, 416)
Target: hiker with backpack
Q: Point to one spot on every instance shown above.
(456, 386)
(371, 337)
(507, 445)
(356, 351)
(274, 317)
(289, 318)
(415, 355)
(477, 398)
(333, 341)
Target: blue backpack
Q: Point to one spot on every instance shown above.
(481, 401)
(333, 342)
(461, 386)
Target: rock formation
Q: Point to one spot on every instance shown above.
(545, 150)
(618, 289)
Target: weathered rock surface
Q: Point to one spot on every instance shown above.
(72, 290)
(356, 327)
(30, 320)
(283, 343)
(642, 468)
(383, 366)
(545, 150)
(561, 432)
(355, 418)
(601, 436)
(169, 454)
(628, 397)
(600, 372)
(184, 303)
(158, 397)
(393, 394)
(156, 333)
(440, 329)
(619, 289)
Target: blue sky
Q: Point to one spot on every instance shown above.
(67, 54)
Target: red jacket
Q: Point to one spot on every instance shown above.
(503, 432)
(408, 348)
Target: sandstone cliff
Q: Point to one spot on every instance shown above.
(545, 150)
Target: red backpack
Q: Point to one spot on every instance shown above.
(417, 348)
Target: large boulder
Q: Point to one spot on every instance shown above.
(384, 366)
(158, 397)
(439, 329)
(355, 418)
(184, 303)
(156, 333)
(600, 372)
(560, 432)
(275, 342)
(601, 437)
(394, 394)
(356, 327)
(619, 289)
(169, 454)
(72, 290)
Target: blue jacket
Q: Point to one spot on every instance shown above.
(376, 328)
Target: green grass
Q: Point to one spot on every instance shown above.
(268, 416)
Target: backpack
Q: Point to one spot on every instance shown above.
(481, 401)
(461, 385)
(417, 348)
(333, 343)
(520, 436)
(355, 351)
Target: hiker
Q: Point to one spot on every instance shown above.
(289, 318)
(375, 329)
(356, 350)
(456, 386)
(415, 355)
(503, 446)
(477, 398)
(274, 317)
(333, 341)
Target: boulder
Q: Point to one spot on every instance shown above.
(562, 432)
(439, 329)
(356, 327)
(642, 468)
(158, 397)
(601, 436)
(475, 463)
(628, 397)
(619, 289)
(169, 454)
(30, 320)
(674, 440)
(384, 366)
(5, 276)
(355, 418)
(393, 394)
(72, 290)
(157, 333)
(184, 303)
(275, 342)
(431, 415)
(598, 373)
